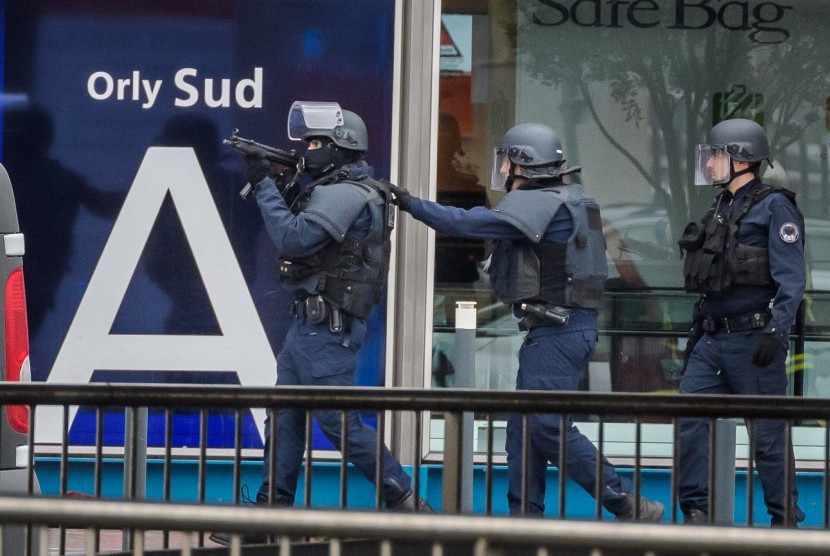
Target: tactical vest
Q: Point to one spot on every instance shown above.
(569, 274)
(714, 258)
(349, 274)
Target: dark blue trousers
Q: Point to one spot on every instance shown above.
(722, 364)
(553, 358)
(315, 356)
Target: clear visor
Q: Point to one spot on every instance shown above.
(712, 164)
(306, 117)
(501, 169)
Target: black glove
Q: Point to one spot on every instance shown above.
(766, 351)
(402, 197)
(284, 178)
(258, 169)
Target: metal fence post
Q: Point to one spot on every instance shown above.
(724, 482)
(458, 431)
(135, 460)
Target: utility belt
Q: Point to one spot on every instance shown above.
(315, 309)
(750, 321)
(542, 315)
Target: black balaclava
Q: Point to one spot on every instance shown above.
(319, 162)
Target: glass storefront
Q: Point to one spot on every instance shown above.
(632, 87)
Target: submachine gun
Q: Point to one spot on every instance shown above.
(293, 162)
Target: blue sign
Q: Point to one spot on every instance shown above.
(143, 264)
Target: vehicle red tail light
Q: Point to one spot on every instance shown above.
(17, 345)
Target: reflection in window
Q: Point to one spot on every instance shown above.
(630, 102)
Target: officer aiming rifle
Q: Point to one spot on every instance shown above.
(333, 242)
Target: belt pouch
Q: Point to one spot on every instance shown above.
(315, 309)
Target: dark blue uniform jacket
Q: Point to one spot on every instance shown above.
(768, 223)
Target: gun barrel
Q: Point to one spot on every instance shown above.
(249, 147)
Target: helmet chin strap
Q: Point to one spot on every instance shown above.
(733, 174)
(511, 177)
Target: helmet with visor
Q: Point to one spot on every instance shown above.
(740, 140)
(535, 149)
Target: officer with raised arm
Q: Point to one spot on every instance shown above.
(746, 260)
(548, 263)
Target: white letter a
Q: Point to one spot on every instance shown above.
(89, 346)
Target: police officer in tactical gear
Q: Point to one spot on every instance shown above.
(334, 248)
(746, 260)
(548, 262)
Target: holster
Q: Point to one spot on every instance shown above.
(315, 309)
(529, 322)
(554, 316)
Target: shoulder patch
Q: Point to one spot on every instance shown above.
(789, 232)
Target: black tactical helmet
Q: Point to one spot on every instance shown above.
(351, 135)
(533, 145)
(535, 149)
(745, 140)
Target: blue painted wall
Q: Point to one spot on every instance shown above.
(656, 484)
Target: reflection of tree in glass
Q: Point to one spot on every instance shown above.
(665, 79)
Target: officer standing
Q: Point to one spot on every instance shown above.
(746, 259)
(548, 262)
(334, 247)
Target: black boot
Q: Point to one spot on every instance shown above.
(650, 510)
(410, 503)
(695, 517)
(224, 538)
(250, 538)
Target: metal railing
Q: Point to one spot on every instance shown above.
(486, 404)
(486, 535)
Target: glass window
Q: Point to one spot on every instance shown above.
(631, 87)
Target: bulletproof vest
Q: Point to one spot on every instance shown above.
(715, 259)
(350, 273)
(569, 274)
